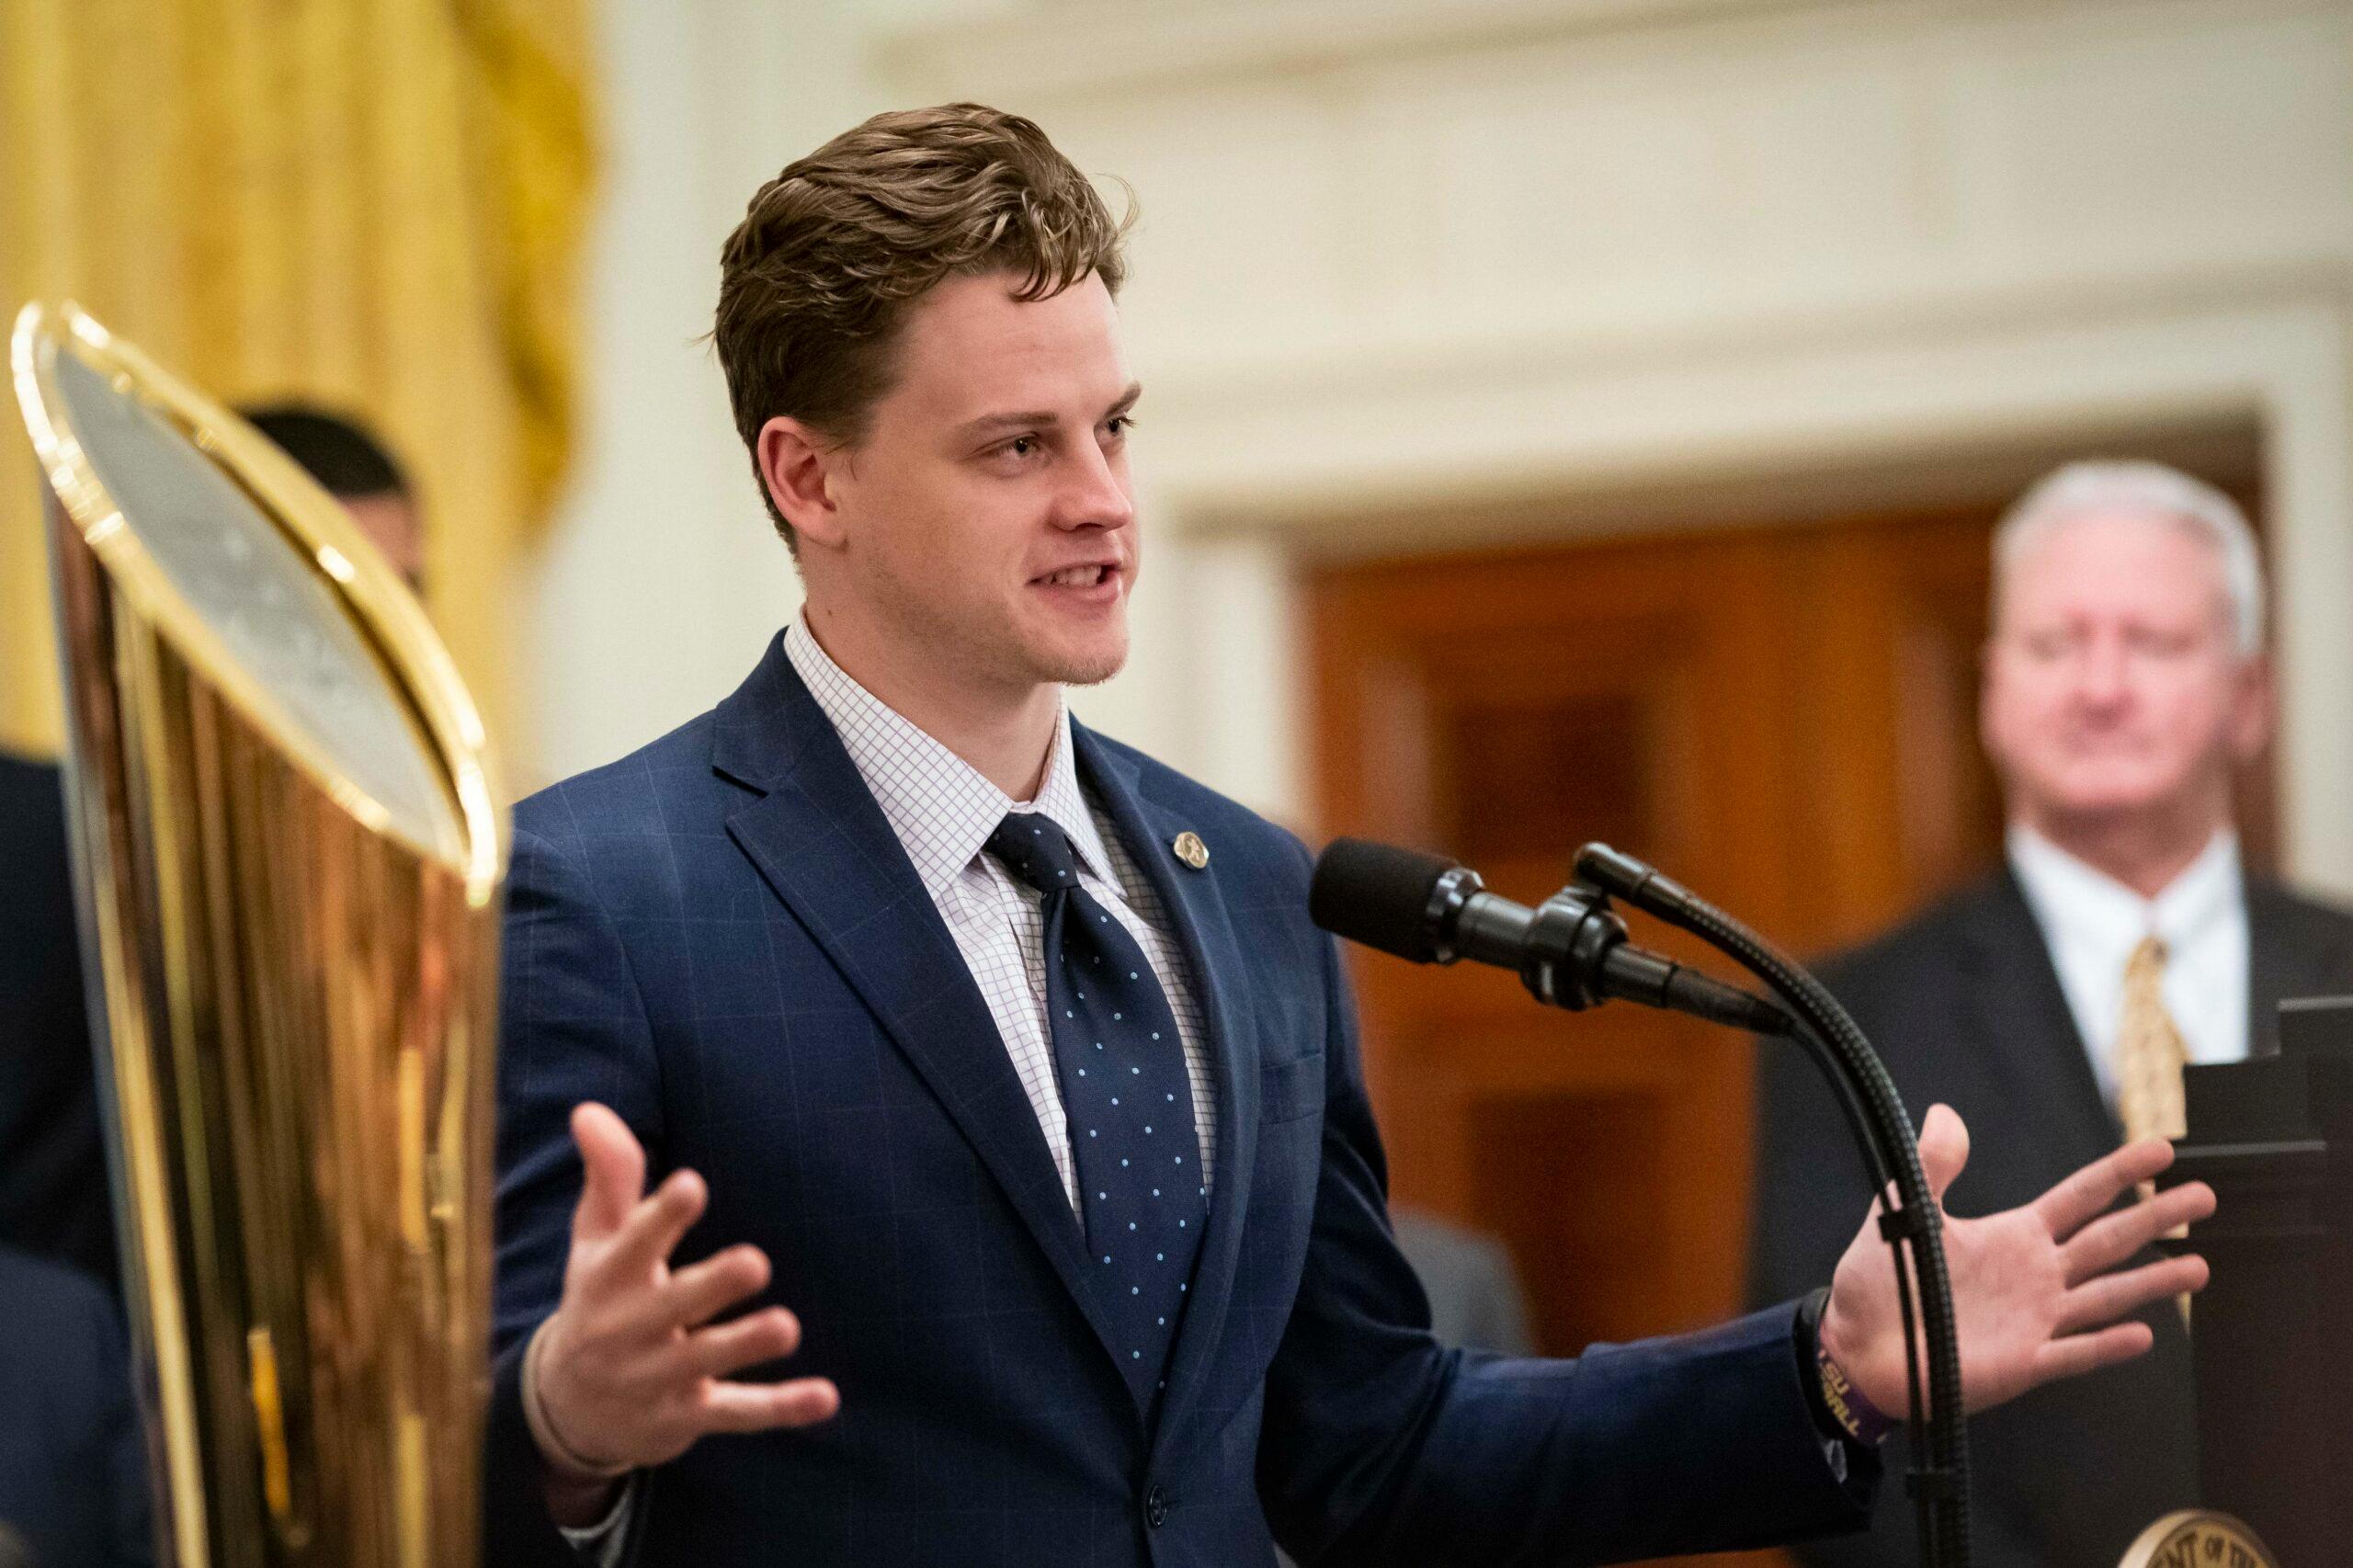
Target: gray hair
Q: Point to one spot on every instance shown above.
(2150, 489)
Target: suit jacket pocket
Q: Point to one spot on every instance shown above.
(1289, 1090)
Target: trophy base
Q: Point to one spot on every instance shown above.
(2196, 1538)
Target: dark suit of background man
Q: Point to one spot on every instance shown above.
(53, 1192)
(73, 1491)
(2053, 1002)
(53, 1172)
(1011, 1059)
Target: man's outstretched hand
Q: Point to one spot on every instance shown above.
(630, 1370)
(2038, 1292)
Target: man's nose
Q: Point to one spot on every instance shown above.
(2103, 674)
(1097, 494)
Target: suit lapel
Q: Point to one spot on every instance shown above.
(1194, 901)
(2289, 954)
(823, 843)
(2031, 1041)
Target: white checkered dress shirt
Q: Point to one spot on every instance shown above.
(943, 810)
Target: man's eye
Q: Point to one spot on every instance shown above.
(1022, 446)
(1119, 425)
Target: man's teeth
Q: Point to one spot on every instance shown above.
(1078, 576)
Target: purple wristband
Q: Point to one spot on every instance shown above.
(1864, 1422)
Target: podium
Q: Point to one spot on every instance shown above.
(2273, 1331)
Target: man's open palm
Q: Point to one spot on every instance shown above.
(632, 1369)
(2039, 1292)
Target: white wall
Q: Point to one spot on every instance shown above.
(662, 578)
(1407, 249)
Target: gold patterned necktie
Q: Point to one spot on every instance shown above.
(2148, 1051)
(2149, 1059)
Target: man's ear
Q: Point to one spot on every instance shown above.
(800, 469)
(2254, 709)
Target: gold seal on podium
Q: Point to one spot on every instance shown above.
(2195, 1538)
(288, 849)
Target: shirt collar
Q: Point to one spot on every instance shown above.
(2069, 894)
(940, 807)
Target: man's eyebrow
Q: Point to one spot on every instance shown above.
(1015, 419)
(988, 424)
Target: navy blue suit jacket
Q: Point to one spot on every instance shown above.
(54, 1194)
(72, 1482)
(719, 937)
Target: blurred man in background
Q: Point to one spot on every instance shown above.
(2055, 1003)
(1474, 1293)
(352, 466)
(70, 1489)
(52, 1179)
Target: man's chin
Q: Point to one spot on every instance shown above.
(1088, 662)
(1092, 670)
(2110, 799)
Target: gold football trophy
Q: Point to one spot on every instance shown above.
(289, 848)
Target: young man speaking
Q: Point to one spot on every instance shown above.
(993, 1073)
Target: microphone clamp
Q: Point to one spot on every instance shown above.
(1559, 949)
(1572, 952)
(1568, 943)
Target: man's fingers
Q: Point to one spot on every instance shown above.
(2080, 1353)
(2114, 1296)
(654, 1228)
(2086, 1194)
(2109, 1240)
(768, 1336)
(761, 1407)
(1944, 1148)
(614, 1171)
(695, 1295)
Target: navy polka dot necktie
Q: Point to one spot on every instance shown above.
(1126, 1100)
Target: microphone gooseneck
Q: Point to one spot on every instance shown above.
(1571, 952)
(1939, 1476)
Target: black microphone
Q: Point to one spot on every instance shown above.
(1571, 950)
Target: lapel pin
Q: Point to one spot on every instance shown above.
(1191, 850)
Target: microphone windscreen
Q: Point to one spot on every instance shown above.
(1377, 894)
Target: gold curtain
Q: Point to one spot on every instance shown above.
(371, 205)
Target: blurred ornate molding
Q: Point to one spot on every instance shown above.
(1087, 48)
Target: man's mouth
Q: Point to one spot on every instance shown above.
(1078, 576)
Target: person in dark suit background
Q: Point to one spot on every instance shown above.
(2054, 1002)
(53, 1172)
(1467, 1277)
(921, 1006)
(73, 1488)
(354, 467)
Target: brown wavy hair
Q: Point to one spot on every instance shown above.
(816, 280)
